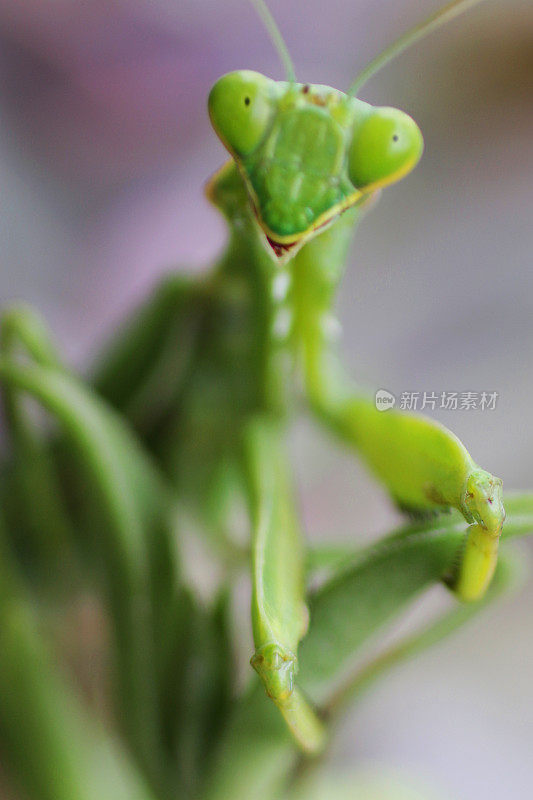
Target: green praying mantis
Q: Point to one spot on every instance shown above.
(236, 353)
(306, 161)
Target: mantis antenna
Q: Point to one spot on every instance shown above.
(276, 38)
(434, 21)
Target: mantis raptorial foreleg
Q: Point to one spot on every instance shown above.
(425, 467)
(279, 614)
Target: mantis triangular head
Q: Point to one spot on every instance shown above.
(309, 152)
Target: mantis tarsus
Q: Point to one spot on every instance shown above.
(233, 354)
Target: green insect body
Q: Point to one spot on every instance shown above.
(310, 158)
(257, 340)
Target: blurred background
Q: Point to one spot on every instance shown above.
(105, 146)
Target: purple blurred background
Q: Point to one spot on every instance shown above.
(104, 149)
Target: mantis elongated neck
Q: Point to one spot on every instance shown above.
(292, 304)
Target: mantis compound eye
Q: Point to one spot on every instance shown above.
(241, 107)
(386, 145)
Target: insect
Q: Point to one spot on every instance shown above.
(235, 353)
(306, 161)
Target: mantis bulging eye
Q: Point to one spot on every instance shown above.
(386, 145)
(241, 107)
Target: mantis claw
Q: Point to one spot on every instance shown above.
(483, 501)
(482, 505)
(276, 667)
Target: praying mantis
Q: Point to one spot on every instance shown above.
(306, 161)
(237, 353)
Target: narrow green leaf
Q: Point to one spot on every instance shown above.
(49, 743)
(205, 691)
(349, 609)
(378, 583)
(144, 365)
(507, 575)
(134, 543)
(43, 530)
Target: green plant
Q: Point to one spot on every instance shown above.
(186, 416)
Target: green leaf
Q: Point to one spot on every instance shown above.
(54, 749)
(44, 534)
(205, 690)
(145, 365)
(352, 607)
(134, 541)
(377, 584)
(506, 577)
